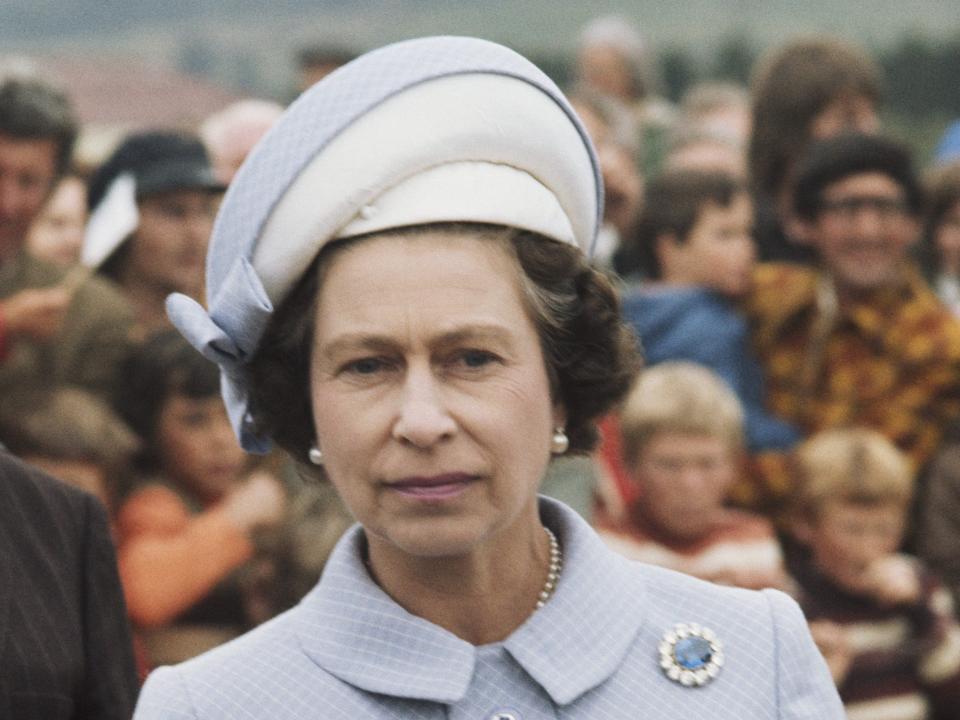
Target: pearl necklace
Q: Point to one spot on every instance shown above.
(553, 570)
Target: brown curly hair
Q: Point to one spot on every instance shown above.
(591, 355)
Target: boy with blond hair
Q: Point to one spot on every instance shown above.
(682, 440)
(882, 620)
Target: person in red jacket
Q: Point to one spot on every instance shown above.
(185, 529)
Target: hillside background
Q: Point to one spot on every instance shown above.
(249, 46)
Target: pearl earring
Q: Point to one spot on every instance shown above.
(559, 442)
(316, 457)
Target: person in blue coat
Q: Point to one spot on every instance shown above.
(399, 296)
(695, 237)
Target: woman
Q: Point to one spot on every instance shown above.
(418, 220)
(56, 234)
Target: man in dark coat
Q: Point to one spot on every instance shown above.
(65, 649)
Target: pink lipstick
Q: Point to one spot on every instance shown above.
(435, 487)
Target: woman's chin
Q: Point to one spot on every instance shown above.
(432, 537)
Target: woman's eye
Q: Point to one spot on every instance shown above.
(365, 366)
(477, 358)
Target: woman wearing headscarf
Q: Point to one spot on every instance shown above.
(399, 296)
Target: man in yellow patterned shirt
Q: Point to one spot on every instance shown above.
(860, 340)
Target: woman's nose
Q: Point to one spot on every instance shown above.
(423, 419)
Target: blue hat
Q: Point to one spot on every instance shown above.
(427, 130)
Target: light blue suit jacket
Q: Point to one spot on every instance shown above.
(348, 651)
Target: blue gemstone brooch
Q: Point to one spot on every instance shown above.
(690, 654)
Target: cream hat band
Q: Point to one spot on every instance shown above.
(444, 150)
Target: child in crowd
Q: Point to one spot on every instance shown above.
(682, 440)
(185, 531)
(711, 130)
(695, 240)
(884, 624)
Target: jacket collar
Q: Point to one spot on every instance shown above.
(354, 631)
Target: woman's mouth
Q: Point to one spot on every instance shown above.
(434, 487)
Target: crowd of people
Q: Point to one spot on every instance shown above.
(792, 279)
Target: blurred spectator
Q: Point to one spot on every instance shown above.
(695, 241)
(940, 249)
(948, 149)
(72, 435)
(230, 134)
(54, 328)
(939, 539)
(56, 234)
(862, 340)
(315, 62)
(693, 148)
(290, 557)
(185, 530)
(66, 651)
(682, 439)
(719, 107)
(613, 59)
(809, 89)
(711, 131)
(883, 622)
(152, 208)
(613, 132)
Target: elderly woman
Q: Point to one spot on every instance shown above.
(399, 296)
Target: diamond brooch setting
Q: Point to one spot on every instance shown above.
(690, 654)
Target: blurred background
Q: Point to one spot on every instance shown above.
(133, 63)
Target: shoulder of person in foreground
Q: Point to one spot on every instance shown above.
(89, 663)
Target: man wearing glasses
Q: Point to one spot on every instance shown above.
(860, 340)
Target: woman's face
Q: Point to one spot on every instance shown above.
(197, 448)
(848, 112)
(430, 394)
(57, 233)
